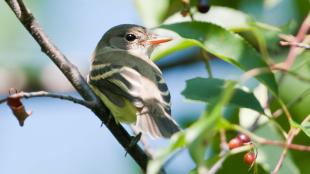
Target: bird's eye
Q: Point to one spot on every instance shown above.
(130, 37)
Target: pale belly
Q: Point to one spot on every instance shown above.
(126, 114)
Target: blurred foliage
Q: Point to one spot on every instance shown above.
(246, 34)
(196, 90)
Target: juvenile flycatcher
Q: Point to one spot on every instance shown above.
(129, 83)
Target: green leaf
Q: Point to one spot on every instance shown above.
(152, 12)
(206, 127)
(218, 15)
(194, 136)
(207, 89)
(171, 47)
(225, 45)
(304, 127)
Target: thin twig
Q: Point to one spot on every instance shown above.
(218, 165)
(285, 109)
(298, 76)
(223, 145)
(263, 141)
(289, 140)
(252, 73)
(223, 154)
(296, 44)
(305, 26)
(292, 133)
(207, 62)
(293, 52)
(293, 102)
(28, 95)
(76, 79)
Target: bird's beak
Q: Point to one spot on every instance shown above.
(159, 40)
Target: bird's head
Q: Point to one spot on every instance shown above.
(132, 38)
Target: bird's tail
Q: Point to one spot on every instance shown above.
(156, 122)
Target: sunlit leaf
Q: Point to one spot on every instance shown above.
(305, 127)
(207, 89)
(176, 45)
(221, 16)
(226, 45)
(152, 11)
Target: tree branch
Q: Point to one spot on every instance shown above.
(263, 141)
(296, 44)
(73, 75)
(304, 28)
(292, 133)
(47, 94)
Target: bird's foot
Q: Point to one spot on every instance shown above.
(108, 121)
(134, 141)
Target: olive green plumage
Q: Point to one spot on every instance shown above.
(129, 83)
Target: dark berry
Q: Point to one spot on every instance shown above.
(234, 143)
(249, 158)
(203, 6)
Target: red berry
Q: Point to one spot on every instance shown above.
(244, 138)
(249, 158)
(234, 143)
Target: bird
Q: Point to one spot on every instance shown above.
(129, 83)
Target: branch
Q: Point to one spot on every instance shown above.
(74, 76)
(28, 95)
(223, 145)
(218, 164)
(296, 44)
(304, 28)
(263, 141)
(289, 140)
(292, 133)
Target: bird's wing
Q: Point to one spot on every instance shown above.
(117, 81)
(143, 65)
(164, 92)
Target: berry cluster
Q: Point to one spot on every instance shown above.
(202, 7)
(240, 140)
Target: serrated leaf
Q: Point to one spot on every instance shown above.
(225, 45)
(207, 89)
